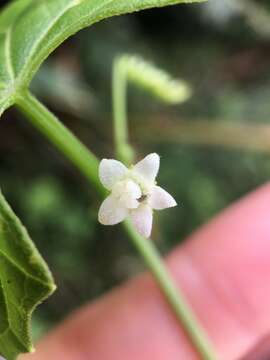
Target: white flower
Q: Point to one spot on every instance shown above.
(134, 193)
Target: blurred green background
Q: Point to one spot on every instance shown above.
(215, 148)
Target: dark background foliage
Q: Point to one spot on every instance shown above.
(223, 51)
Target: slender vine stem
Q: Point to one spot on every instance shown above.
(174, 296)
(145, 75)
(135, 70)
(124, 151)
(48, 124)
(87, 163)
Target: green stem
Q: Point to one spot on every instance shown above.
(61, 137)
(173, 294)
(87, 163)
(124, 151)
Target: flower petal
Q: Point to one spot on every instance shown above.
(148, 167)
(110, 171)
(161, 199)
(142, 219)
(111, 212)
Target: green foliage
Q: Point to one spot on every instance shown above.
(30, 30)
(24, 282)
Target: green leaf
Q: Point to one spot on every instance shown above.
(25, 281)
(31, 29)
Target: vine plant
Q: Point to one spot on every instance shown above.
(29, 31)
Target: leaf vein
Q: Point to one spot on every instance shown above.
(8, 327)
(8, 53)
(67, 30)
(45, 33)
(22, 270)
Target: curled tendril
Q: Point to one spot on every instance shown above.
(158, 82)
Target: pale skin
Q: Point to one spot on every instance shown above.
(224, 271)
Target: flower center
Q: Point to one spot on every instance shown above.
(143, 198)
(127, 192)
(146, 186)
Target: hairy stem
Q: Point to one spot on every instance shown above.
(87, 163)
(48, 124)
